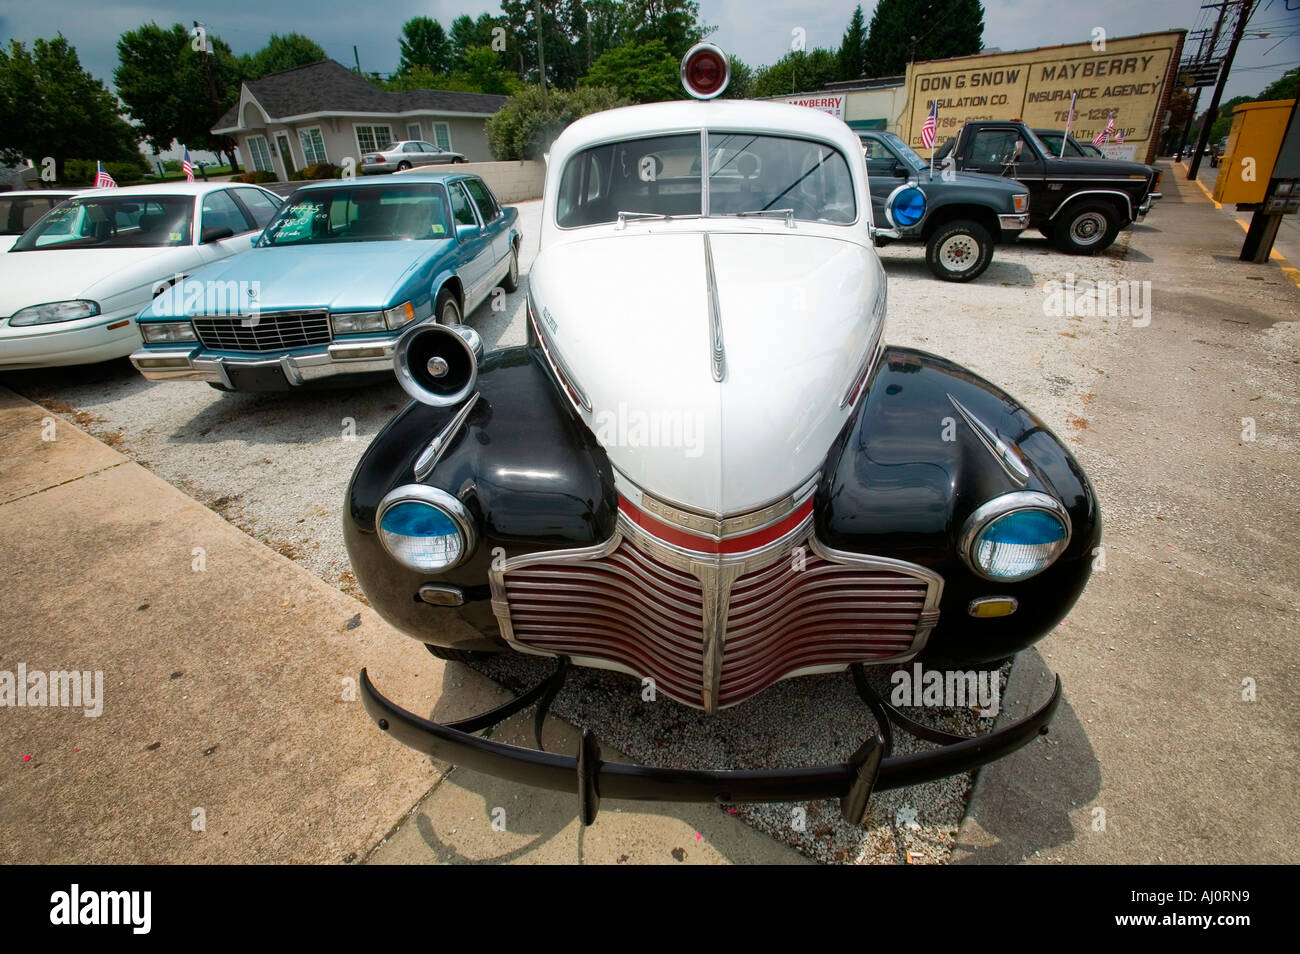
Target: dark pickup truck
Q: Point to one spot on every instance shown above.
(1080, 205)
(965, 214)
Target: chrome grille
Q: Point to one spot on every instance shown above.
(628, 610)
(276, 331)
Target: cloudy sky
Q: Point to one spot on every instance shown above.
(756, 30)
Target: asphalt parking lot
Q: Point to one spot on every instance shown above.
(1199, 588)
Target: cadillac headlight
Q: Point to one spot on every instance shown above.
(425, 528)
(54, 311)
(166, 332)
(357, 322)
(1015, 536)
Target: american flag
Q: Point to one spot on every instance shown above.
(102, 179)
(1119, 136)
(1105, 133)
(931, 126)
(187, 167)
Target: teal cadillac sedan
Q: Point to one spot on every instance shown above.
(331, 284)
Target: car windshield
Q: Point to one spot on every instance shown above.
(119, 221)
(18, 213)
(906, 151)
(360, 213)
(749, 175)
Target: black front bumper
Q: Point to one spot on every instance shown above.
(870, 768)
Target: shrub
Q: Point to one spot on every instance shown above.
(258, 175)
(319, 170)
(82, 172)
(525, 127)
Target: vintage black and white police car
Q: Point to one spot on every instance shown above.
(706, 467)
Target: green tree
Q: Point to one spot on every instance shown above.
(466, 33)
(563, 29)
(164, 82)
(639, 72)
(853, 47)
(797, 72)
(50, 106)
(481, 74)
(527, 125)
(281, 53)
(674, 22)
(903, 31)
(741, 84)
(1283, 87)
(424, 45)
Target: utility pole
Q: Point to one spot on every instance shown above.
(541, 54)
(1203, 56)
(1243, 14)
(212, 91)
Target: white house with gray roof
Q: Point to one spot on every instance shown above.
(325, 112)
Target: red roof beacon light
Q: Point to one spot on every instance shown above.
(705, 71)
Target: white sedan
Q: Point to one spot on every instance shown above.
(20, 210)
(73, 283)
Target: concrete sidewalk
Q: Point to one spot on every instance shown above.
(230, 730)
(1177, 738)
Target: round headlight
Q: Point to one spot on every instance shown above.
(1015, 536)
(905, 206)
(425, 528)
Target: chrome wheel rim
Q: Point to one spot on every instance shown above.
(959, 253)
(514, 267)
(450, 313)
(1088, 228)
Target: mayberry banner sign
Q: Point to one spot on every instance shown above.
(1127, 77)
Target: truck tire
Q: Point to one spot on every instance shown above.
(959, 250)
(1085, 228)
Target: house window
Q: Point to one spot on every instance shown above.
(313, 146)
(413, 131)
(259, 154)
(442, 137)
(374, 138)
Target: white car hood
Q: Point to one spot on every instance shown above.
(628, 315)
(32, 278)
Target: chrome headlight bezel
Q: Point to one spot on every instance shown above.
(992, 511)
(35, 315)
(447, 504)
(174, 331)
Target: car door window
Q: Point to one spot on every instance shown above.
(880, 160)
(411, 147)
(460, 207)
(487, 206)
(220, 210)
(259, 205)
(992, 147)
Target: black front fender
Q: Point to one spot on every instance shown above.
(908, 470)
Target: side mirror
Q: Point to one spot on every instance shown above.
(466, 232)
(215, 233)
(900, 171)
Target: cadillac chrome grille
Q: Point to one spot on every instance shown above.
(267, 332)
(628, 610)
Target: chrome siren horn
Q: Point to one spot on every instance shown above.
(438, 364)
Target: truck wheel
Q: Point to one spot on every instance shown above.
(456, 655)
(959, 251)
(1085, 228)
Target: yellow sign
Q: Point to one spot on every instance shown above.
(1127, 79)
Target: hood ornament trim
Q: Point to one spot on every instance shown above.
(718, 349)
(1002, 452)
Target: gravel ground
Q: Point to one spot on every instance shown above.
(277, 467)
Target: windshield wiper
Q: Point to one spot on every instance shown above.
(787, 213)
(624, 216)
